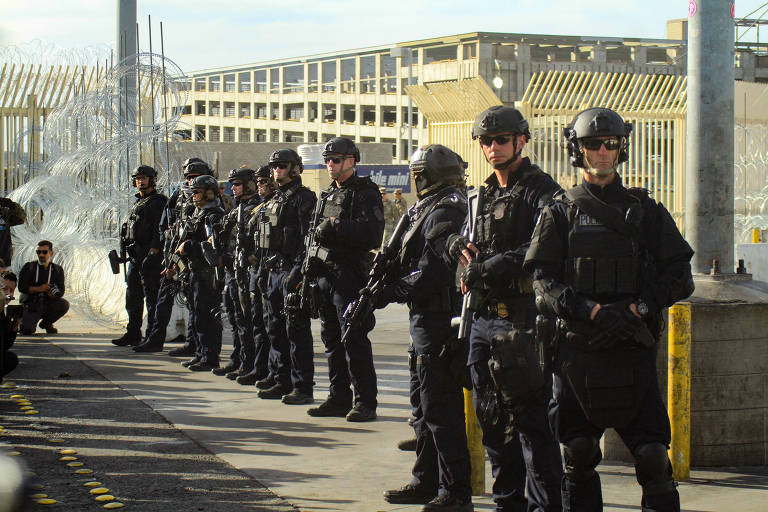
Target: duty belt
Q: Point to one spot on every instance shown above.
(513, 309)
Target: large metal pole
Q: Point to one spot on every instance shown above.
(410, 105)
(126, 51)
(709, 163)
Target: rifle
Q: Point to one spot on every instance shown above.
(314, 253)
(211, 251)
(378, 276)
(114, 259)
(470, 302)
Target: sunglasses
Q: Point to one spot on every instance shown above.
(42, 252)
(594, 144)
(487, 140)
(197, 191)
(262, 181)
(237, 183)
(334, 159)
(279, 165)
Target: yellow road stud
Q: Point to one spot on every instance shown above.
(67, 452)
(56, 441)
(83, 471)
(99, 490)
(67, 458)
(114, 504)
(39, 496)
(14, 453)
(46, 501)
(91, 484)
(31, 412)
(105, 497)
(27, 408)
(17, 397)
(74, 464)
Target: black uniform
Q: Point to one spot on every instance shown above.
(356, 205)
(524, 455)
(205, 294)
(143, 271)
(283, 225)
(11, 214)
(426, 284)
(614, 247)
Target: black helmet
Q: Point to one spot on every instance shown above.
(436, 166)
(144, 170)
(341, 146)
(289, 156)
(189, 161)
(205, 182)
(264, 172)
(198, 167)
(596, 122)
(500, 119)
(242, 173)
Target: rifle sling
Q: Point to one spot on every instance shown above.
(600, 211)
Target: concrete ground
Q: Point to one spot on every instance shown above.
(194, 441)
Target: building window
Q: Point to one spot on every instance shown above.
(348, 114)
(294, 112)
(229, 83)
(244, 135)
(293, 79)
(387, 74)
(470, 50)
(260, 77)
(229, 109)
(260, 110)
(200, 84)
(244, 80)
(312, 111)
(199, 133)
(414, 118)
(369, 115)
(213, 108)
(182, 134)
(293, 136)
(214, 134)
(229, 134)
(244, 110)
(439, 53)
(260, 135)
(274, 80)
(388, 116)
(368, 74)
(313, 77)
(185, 110)
(312, 137)
(348, 76)
(274, 111)
(214, 83)
(329, 113)
(329, 76)
(274, 135)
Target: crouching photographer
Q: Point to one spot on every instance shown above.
(10, 318)
(41, 284)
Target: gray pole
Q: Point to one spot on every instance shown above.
(126, 51)
(709, 162)
(410, 106)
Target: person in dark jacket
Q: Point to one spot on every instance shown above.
(11, 214)
(605, 260)
(41, 284)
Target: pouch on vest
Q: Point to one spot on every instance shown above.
(515, 368)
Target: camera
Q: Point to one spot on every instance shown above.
(56, 291)
(14, 311)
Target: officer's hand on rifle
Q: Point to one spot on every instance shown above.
(473, 274)
(182, 249)
(324, 230)
(169, 272)
(461, 249)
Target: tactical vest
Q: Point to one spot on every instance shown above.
(499, 228)
(276, 232)
(412, 244)
(603, 262)
(137, 218)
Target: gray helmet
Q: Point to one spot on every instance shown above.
(341, 146)
(436, 166)
(288, 156)
(197, 167)
(500, 119)
(596, 122)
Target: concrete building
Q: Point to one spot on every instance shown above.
(360, 93)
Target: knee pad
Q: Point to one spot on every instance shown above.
(653, 469)
(582, 455)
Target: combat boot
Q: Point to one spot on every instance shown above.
(361, 413)
(148, 347)
(408, 445)
(329, 409)
(410, 494)
(248, 379)
(266, 383)
(181, 352)
(204, 365)
(274, 393)
(194, 360)
(297, 397)
(127, 339)
(224, 370)
(448, 503)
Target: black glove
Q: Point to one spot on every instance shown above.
(473, 274)
(293, 279)
(614, 325)
(386, 297)
(455, 244)
(324, 231)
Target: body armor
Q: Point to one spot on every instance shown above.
(278, 233)
(338, 203)
(138, 234)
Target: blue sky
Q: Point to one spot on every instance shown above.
(199, 35)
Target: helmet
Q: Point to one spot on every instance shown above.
(198, 167)
(289, 156)
(144, 170)
(596, 122)
(435, 166)
(264, 172)
(247, 176)
(205, 182)
(500, 119)
(341, 146)
(189, 161)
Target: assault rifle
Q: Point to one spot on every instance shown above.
(471, 301)
(114, 259)
(315, 253)
(212, 251)
(378, 276)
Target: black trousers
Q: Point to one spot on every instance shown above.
(46, 310)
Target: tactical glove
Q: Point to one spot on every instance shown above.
(455, 244)
(324, 231)
(473, 274)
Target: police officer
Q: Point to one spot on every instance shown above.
(233, 233)
(283, 225)
(142, 239)
(177, 209)
(426, 284)
(606, 260)
(524, 455)
(350, 223)
(204, 289)
(265, 361)
(401, 205)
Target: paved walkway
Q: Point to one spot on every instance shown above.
(327, 463)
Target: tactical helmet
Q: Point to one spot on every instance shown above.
(144, 170)
(189, 161)
(247, 176)
(596, 122)
(264, 172)
(435, 166)
(205, 182)
(198, 167)
(341, 146)
(289, 156)
(500, 119)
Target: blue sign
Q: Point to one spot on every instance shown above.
(388, 176)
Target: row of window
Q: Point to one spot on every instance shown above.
(349, 114)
